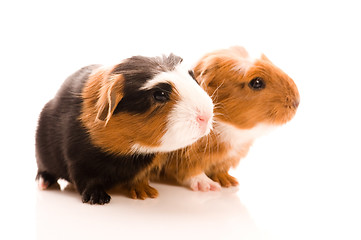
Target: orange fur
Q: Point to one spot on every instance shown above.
(206, 155)
(225, 75)
(140, 188)
(117, 134)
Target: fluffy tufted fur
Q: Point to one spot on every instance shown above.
(106, 125)
(251, 97)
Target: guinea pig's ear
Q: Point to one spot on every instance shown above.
(204, 71)
(111, 94)
(263, 57)
(240, 51)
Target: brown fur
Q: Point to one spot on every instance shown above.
(206, 155)
(225, 75)
(140, 188)
(115, 134)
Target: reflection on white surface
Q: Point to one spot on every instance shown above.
(301, 182)
(177, 213)
(291, 187)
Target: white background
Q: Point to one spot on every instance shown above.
(302, 181)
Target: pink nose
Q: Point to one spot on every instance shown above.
(203, 120)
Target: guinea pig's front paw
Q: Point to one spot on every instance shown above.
(142, 191)
(224, 179)
(45, 180)
(202, 183)
(95, 196)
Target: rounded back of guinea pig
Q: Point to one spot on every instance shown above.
(247, 92)
(145, 105)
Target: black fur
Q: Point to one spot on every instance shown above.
(64, 149)
(191, 73)
(148, 67)
(140, 101)
(137, 70)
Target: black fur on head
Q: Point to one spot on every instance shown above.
(136, 71)
(140, 67)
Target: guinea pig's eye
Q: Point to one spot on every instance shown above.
(161, 96)
(257, 83)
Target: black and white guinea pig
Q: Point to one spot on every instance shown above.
(106, 124)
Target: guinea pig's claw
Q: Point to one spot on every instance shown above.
(45, 180)
(202, 183)
(42, 185)
(142, 191)
(224, 179)
(95, 197)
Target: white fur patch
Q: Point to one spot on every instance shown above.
(246, 59)
(182, 129)
(244, 64)
(138, 148)
(237, 137)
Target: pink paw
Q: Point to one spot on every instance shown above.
(202, 183)
(42, 185)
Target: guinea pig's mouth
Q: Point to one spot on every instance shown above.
(292, 104)
(203, 131)
(282, 115)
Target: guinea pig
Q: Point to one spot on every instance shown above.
(106, 125)
(251, 97)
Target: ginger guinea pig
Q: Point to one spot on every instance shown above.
(106, 124)
(251, 97)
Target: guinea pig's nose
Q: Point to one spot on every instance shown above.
(296, 103)
(203, 119)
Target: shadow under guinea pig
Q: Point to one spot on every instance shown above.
(177, 213)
